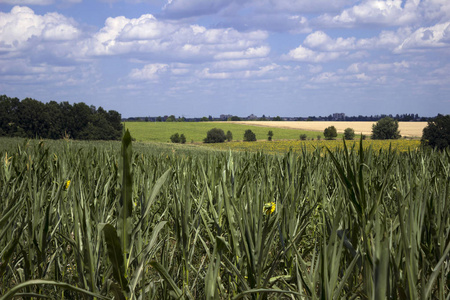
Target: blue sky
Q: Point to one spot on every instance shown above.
(196, 58)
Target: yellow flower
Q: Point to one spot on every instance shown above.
(66, 184)
(269, 208)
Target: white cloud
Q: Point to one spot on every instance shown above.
(307, 55)
(382, 12)
(147, 35)
(320, 40)
(427, 37)
(149, 72)
(22, 28)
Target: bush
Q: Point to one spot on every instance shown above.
(215, 135)
(175, 138)
(303, 137)
(319, 137)
(270, 135)
(437, 132)
(349, 134)
(330, 133)
(182, 138)
(229, 136)
(249, 136)
(385, 129)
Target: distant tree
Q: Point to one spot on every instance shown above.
(229, 136)
(349, 134)
(182, 139)
(235, 118)
(277, 118)
(171, 118)
(204, 119)
(269, 135)
(159, 119)
(215, 135)
(146, 119)
(437, 132)
(249, 136)
(303, 137)
(181, 119)
(385, 129)
(330, 133)
(175, 138)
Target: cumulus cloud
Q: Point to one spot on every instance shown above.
(22, 28)
(320, 40)
(189, 8)
(148, 36)
(382, 12)
(436, 36)
(149, 72)
(307, 55)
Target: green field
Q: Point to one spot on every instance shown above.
(196, 131)
(111, 220)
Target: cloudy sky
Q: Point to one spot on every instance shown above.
(196, 58)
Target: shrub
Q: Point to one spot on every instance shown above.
(349, 134)
(303, 137)
(385, 129)
(437, 132)
(182, 138)
(330, 133)
(319, 137)
(249, 136)
(229, 136)
(215, 135)
(175, 138)
(270, 135)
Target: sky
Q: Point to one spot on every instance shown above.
(195, 58)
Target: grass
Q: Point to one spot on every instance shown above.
(196, 131)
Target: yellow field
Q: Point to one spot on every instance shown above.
(409, 129)
(274, 147)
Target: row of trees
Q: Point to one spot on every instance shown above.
(30, 118)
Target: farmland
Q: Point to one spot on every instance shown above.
(80, 220)
(409, 129)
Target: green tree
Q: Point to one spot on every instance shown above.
(437, 132)
(303, 137)
(330, 133)
(229, 136)
(277, 118)
(171, 118)
(175, 138)
(215, 135)
(269, 135)
(349, 134)
(204, 119)
(385, 129)
(182, 139)
(249, 136)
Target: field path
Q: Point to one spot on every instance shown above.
(410, 129)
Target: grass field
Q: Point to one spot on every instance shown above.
(196, 131)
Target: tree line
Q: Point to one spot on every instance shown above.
(30, 118)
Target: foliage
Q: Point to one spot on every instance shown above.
(437, 132)
(234, 118)
(349, 134)
(215, 135)
(249, 136)
(353, 222)
(229, 136)
(277, 118)
(175, 138)
(303, 137)
(269, 135)
(385, 129)
(31, 118)
(171, 118)
(330, 133)
(182, 139)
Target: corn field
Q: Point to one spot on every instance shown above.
(110, 222)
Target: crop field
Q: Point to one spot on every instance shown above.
(409, 129)
(196, 131)
(281, 147)
(110, 220)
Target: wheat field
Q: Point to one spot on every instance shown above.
(409, 129)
